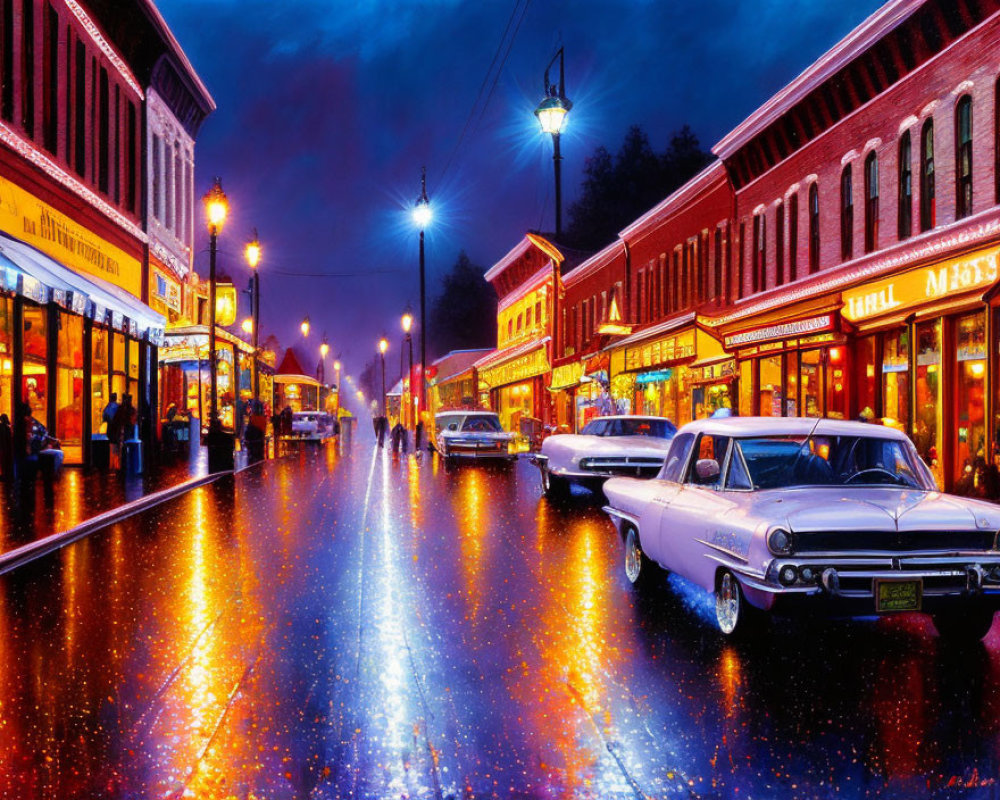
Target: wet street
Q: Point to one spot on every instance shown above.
(358, 625)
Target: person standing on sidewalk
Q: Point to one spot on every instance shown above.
(109, 412)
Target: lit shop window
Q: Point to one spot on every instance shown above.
(970, 445)
(927, 426)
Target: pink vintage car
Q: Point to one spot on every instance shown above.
(815, 516)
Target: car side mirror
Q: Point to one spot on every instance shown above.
(707, 470)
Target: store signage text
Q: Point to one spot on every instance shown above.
(920, 285)
(785, 330)
(661, 351)
(566, 375)
(25, 216)
(517, 369)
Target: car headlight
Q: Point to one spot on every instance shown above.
(779, 542)
(787, 575)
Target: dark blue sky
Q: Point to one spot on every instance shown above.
(327, 109)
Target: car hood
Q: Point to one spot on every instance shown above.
(842, 508)
(579, 444)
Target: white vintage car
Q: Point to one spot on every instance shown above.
(815, 516)
(472, 435)
(621, 445)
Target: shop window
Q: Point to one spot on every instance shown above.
(527, 318)
(927, 427)
(835, 382)
(747, 390)
(810, 388)
(538, 312)
(676, 282)
(865, 381)
(6, 356)
(928, 206)
(741, 260)
(157, 176)
(846, 214)
(871, 202)
(970, 432)
(520, 322)
(100, 378)
(703, 276)
(34, 380)
(79, 109)
(510, 328)
(896, 380)
(963, 162)
(69, 385)
(905, 188)
(771, 388)
(793, 236)
(779, 244)
(131, 156)
(813, 228)
(118, 356)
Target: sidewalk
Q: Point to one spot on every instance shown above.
(29, 513)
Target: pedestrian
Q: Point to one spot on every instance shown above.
(381, 428)
(121, 429)
(6, 448)
(398, 438)
(109, 411)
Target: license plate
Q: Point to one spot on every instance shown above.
(897, 595)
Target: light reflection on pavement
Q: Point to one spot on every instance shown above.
(364, 625)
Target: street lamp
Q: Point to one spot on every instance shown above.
(422, 217)
(304, 327)
(383, 345)
(216, 209)
(551, 113)
(407, 322)
(247, 325)
(252, 253)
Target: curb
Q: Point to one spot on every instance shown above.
(29, 552)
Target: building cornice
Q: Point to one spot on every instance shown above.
(105, 46)
(675, 203)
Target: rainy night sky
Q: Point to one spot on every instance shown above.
(328, 109)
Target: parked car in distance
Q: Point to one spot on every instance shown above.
(606, 446)
(476, 435)
(797, 515)
(311, 425)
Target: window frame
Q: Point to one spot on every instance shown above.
(847, 212)
(814, 227)
(963, 157)
(904, 187)
(871, 202)
(928, 203)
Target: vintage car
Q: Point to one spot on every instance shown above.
(472, 435)
(810, 516)
(606, 446)
(311, 425)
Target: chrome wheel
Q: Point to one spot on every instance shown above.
(728, 604)
(633, 556)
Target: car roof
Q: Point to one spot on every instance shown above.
(790, 426)
(631, 416)
(466, 413)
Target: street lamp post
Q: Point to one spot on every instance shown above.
(216, 208)
(422, 217)
(253, 259)
(383, 345)
(407, 324)
(336, 374)
(551, 113)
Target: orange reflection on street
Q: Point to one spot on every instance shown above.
(412, 467)
(469, 500)
(567, 698)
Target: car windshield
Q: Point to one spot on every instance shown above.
(482, 425)
(781, 461)
(631, 426)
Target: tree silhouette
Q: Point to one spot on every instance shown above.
(617, 190)
(464, 315)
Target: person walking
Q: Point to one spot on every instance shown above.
(109, 411)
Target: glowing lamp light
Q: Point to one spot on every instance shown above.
(407, 322)
(252, 252)
(247, 325)
(977, 368)
(216, 206)
(324, 350)
(383, 345)
(304, 327)
(225, 305)
(835, 354)
(551, 113)
(422, 214)
(361, 395)
(336, 365)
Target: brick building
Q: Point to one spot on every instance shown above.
(840, 258)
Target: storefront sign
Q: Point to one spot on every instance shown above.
(517, 369)
(672, 348)
(225, 304)
(784, 330)
(653, 377)
(25, 216)
(976, 271)
(166, 289)
(566, 375)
